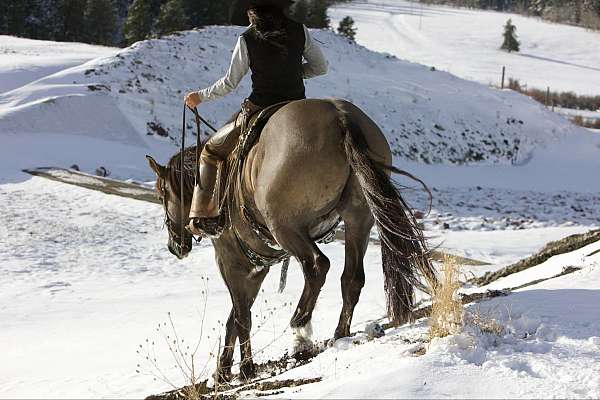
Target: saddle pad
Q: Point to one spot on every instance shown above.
(252, 128)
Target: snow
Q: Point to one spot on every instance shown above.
(548, 348)
(428, 116)
(87, 277)
(24, 60)
(467, 43)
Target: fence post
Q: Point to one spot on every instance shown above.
(547, 96)
(503, 72)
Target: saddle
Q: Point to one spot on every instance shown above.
(229, 175)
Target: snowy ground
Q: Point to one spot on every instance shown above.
(87, 276)
(81, 292)
(466, 43)
(24, 60)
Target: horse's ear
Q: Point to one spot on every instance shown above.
(156, 167)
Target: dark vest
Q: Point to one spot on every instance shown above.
(276, 76)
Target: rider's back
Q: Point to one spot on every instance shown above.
(277, 73)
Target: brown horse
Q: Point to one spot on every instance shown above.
(315, 162)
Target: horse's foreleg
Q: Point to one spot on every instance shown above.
(357, 222)
(225, 363)
(243, 322)
(244, 290)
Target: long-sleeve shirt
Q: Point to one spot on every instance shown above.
(314, 65)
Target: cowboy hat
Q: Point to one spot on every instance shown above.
(270, 3)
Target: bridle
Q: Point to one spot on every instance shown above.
(164, 193)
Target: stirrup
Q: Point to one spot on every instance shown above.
(212, 227)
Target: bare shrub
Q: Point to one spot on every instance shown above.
(560, 99)
(515, 85)
(578, 120)
(446, 307)
(193, 372)
(183, 354)
(484, 321)
(585, 122)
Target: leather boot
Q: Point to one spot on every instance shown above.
(204, 204)
(204, 211)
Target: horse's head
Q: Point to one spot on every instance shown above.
(176, 211)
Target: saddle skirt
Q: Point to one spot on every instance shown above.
(230, 197)
(230, 172)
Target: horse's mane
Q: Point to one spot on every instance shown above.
(174, 168)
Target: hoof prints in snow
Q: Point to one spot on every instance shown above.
(501, 209)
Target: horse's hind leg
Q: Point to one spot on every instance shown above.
(358, 222)
(315, 266)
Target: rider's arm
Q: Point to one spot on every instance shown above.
(315, 64)
(237, 69)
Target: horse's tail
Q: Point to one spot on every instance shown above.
(404, 251)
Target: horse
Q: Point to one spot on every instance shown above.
(316, 161)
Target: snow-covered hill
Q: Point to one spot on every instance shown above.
(25, 60)
(466, 42)
(134, 100)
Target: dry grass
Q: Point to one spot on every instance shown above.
(484, 321)
(586, 122)
(183, 354)
(446, 309)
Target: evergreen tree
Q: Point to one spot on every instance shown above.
(510, 42)
(317, 14)
(3, 18)
(299, 11)
(16, 12)
(138, 23)
(346, 28)
(72, 12)
(100, 21)
(237, 13)
(172, 17)
(121, 8)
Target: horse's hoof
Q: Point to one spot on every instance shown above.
(302, 338)
(306, 354)
(247, 371)
(304, 350)
(222, 376)
(340, 334)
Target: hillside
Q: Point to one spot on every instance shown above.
(133, 101)
(466, 43)
(25, 60)
(87, 278)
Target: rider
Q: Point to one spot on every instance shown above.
(273, 49)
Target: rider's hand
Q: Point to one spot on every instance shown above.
(192, 99)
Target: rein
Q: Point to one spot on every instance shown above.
(198, 119)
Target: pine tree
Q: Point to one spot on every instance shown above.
(3, 18)
(172, 17)
(16, 11)
(317, 16)
(299, 11)
(138, 23)
(346, 28)
(510, 37)
(100, 21)
(72, 13)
